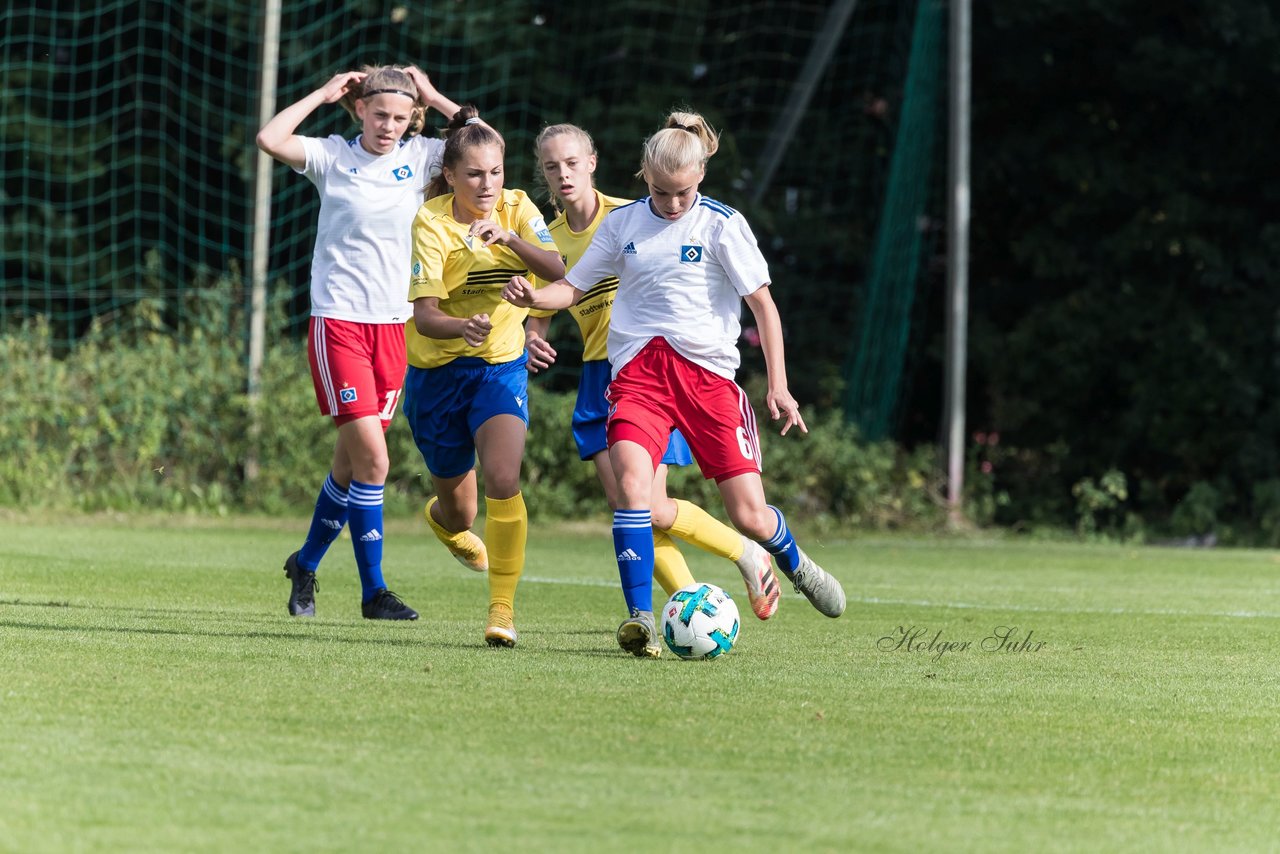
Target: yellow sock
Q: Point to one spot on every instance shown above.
(450, 539)
(698, 527)
(669, 567)
(505, 529)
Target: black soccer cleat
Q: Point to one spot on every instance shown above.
(386, 605)
(302, 598)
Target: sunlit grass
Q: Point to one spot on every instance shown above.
(154, 695)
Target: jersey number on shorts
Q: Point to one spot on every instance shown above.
(745, 444)
(389, 411)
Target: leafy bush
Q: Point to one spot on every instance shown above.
(1266, 508)
(160, 420)
(1098, 504)
(1197, 513)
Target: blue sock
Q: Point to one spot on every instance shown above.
(365, 510)
(633, 543)
(326, 523)
(782, 545)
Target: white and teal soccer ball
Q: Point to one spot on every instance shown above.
(700, 621)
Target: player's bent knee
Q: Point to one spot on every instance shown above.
(758, 524)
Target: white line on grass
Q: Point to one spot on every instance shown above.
(973, 606)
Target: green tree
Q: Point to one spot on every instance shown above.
(1126, 245)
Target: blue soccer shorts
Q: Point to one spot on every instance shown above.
(446, 406)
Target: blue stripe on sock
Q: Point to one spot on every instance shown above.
(365, 494)
(365, 511)
(633, 545)
(326, 523)
(336, 493)
(782, 545)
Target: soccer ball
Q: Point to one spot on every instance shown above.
(700, 621)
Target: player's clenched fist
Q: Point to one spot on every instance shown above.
(476, 329)
(519, 291)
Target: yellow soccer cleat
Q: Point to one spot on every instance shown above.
(465, 546)
(501, 629)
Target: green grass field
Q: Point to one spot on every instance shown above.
(154, 695)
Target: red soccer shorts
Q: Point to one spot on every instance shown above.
(660, 389)
(357, 368)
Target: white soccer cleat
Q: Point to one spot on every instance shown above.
(817, 585)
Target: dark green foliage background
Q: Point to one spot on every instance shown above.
(1126, 251)
(1125, 328)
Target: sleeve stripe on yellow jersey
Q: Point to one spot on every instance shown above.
(600, 290)
(489, 277)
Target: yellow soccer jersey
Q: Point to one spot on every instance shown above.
(468, 277)
(593, 310)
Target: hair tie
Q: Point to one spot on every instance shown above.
(474, 120)
(370, 94)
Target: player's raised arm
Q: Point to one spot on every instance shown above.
(277, 136)
(429, 94)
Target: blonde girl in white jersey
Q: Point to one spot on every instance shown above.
(567, 157)
(684, 264)
(370, 190)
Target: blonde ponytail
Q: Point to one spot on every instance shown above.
(685, 141)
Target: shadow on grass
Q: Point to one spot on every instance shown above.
(133, 609)
(524, 650)
(195, 613)
(248, 635)
(607, 649)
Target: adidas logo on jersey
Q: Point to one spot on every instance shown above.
(628, 554)
(629, 249)
(371, 537)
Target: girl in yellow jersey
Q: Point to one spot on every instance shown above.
(567, 157)
(466, 387)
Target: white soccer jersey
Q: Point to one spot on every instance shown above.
(682, 280)
(360, 267)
